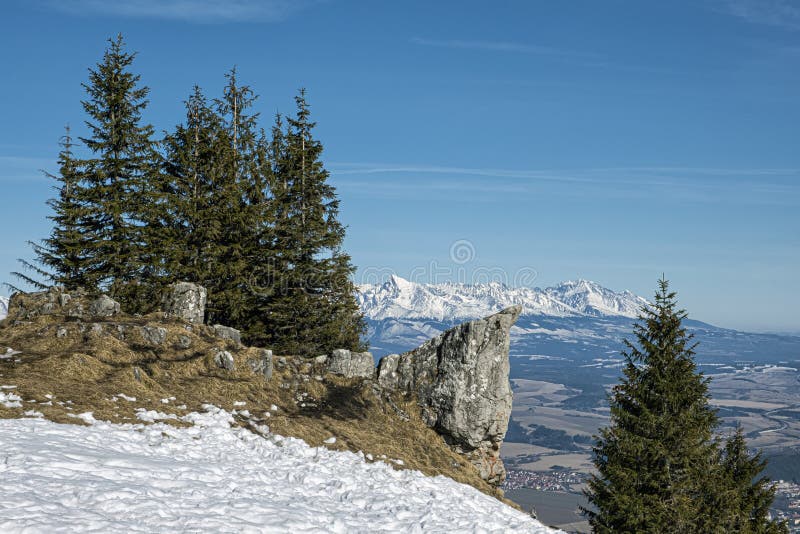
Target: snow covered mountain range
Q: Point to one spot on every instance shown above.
(401, 299)
(578, 320)
(3, 307)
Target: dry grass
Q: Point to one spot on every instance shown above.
(67, 367)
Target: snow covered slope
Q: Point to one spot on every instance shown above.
(214, 478)
(401, 299)
(3, 307)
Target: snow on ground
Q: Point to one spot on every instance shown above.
(212, 477)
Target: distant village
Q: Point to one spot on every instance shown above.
(791, 492)
(573, 482)
(564, 481)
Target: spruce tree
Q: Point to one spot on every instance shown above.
(117, 173)
(660, 467)
(310, 307)
(244, 195)
(654, 456)
(60, 258)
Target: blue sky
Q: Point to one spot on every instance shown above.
(610, 140)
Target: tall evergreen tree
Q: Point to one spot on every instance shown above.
(116, 176)
(659, 465)
(244, 195)
(60, 258)
(653, 457)
(311, 306)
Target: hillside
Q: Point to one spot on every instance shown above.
(75, 358)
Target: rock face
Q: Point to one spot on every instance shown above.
(351, 364)
(461, 379)
(186, 301)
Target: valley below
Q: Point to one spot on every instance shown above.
(566, 355)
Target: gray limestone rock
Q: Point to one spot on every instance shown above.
(226, 332)
(184, 342)
(224, 360)
(103, 306)
(262, 364)
(57, 301)
(153, 335)
(461, 379)
(186, 301)
(351, 364)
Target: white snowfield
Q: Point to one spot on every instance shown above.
(401, 299)
(215, 478)
(3, 307)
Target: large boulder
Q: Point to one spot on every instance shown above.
(186, 301)
(462, 381)
(103, 306)
(351, 364)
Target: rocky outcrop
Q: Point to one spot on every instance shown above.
(186, 301)
(461, 380)
(57, 301)
(351, 364)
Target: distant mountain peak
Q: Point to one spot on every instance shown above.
(399, 298)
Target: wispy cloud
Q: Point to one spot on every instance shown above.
(198, 11)
(781, 13)
(501, 46)
(566, 175)
(770, 186)
(573, 57)
(24, 169)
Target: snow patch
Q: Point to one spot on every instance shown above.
(211, 477)
(151, 416)
(10, 400)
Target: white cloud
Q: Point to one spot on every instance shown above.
(499, 46)
(200, 11)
